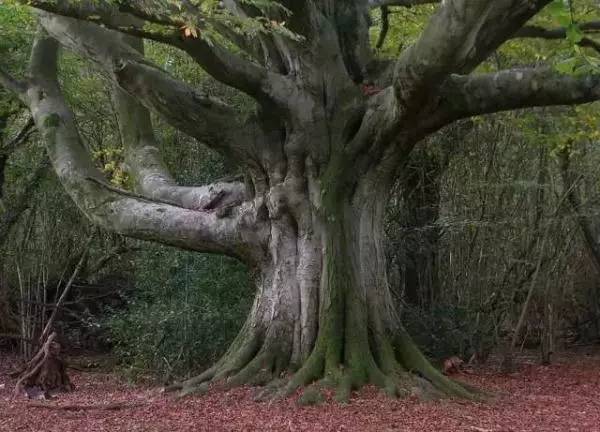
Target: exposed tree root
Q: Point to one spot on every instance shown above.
(399, 369)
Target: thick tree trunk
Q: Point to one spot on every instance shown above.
(323, 308)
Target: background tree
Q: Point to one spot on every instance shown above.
(332, 128)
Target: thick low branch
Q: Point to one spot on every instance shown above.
(465, 96)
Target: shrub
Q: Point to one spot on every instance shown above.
(184, 313)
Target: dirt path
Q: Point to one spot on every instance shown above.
(561, 397)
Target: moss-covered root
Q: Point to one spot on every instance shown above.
(413, 360)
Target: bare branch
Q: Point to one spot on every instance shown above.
(534, 31)
(561, 33)
(465, 96)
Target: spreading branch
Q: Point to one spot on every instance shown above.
(199, 115)
(465, 96)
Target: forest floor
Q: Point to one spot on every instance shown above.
(564, 396)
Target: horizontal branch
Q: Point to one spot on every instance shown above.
(534, 31)
(465, 96)
(537, 32)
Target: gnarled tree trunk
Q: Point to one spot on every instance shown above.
(323, 307)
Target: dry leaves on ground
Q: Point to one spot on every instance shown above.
(560, 397)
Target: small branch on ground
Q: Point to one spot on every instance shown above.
(76, 407)
(47, 369)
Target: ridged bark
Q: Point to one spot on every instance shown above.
(323, 314)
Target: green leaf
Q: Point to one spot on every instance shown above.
(566, 66)
(574, 33)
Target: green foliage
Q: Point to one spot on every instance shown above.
(185, 311)
(111, 161)
(16, 27)
(572, 60)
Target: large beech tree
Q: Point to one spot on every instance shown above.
(331, 131)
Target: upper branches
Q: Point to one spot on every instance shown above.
(197, 114)
(221, 63)
(459, 36)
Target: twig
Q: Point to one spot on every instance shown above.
(133, 194)
(75, 407)
(60, 301)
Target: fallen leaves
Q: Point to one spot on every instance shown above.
(561, 397)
